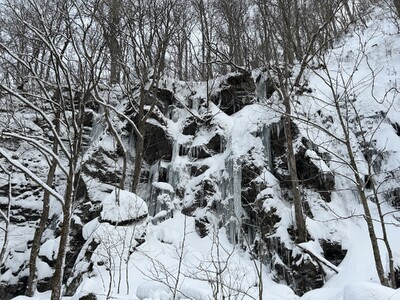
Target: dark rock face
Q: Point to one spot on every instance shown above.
(333, 251)
(313, 177)
(201, 226)
(301, 277)
(206, 192)
(393, 197)
(308, 172)
(88, 297)
(45, 284)
(165, 99)
(264, 221)
(235, 93)
(89, 117)
(10, 291)
(98, 166)
(200, 152)
(190, 126)
(157, 145)
(196, 171)
(204, 196)
(213, 146)
(250, 187)
(306, 276)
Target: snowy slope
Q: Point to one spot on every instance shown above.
(160, 253)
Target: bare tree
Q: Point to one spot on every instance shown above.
(74, 72)
(5, 215)
(343, 92)
(151, 26)
(110, 17)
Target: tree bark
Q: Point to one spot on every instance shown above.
(37, 239)
(56, 291)
(297, 201)
(139, 145)
(363, 197)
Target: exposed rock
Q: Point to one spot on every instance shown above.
(88, 297)
(250, 187)
(213, 146)
(190, 209)
(333, 251)
(215, 143)
(260, 219)
(88, 118)
(184, 150)
(196, 170)
(235, 93)
(301, 273)
(201, 226)
(396, 128)
(312, 170)
(204, 196)
(101, 165)
(76, 278)
(9, 291)
(393, 197)
(165, 99)
(306, 276)
(313, 175)
(190, 126)
(205, 192)
(200, 152)
(157, 144)
(45, 284)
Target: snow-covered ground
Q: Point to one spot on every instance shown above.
(173, 261)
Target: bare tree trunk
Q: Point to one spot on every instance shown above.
(56, 291)
(392, 277)
(363, 197)
(138, 161)
(121, 145)
(6, 217)
(139, 143)
(297, 201)
(31, 284)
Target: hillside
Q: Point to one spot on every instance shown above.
(213, 214)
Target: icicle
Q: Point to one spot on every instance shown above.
(153, 177)
(175, 150)
(237, 187)
(231, 190)
(266, 140)
(195, 104)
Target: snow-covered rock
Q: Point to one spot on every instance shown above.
(122, 207)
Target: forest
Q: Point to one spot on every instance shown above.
(199, 149)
